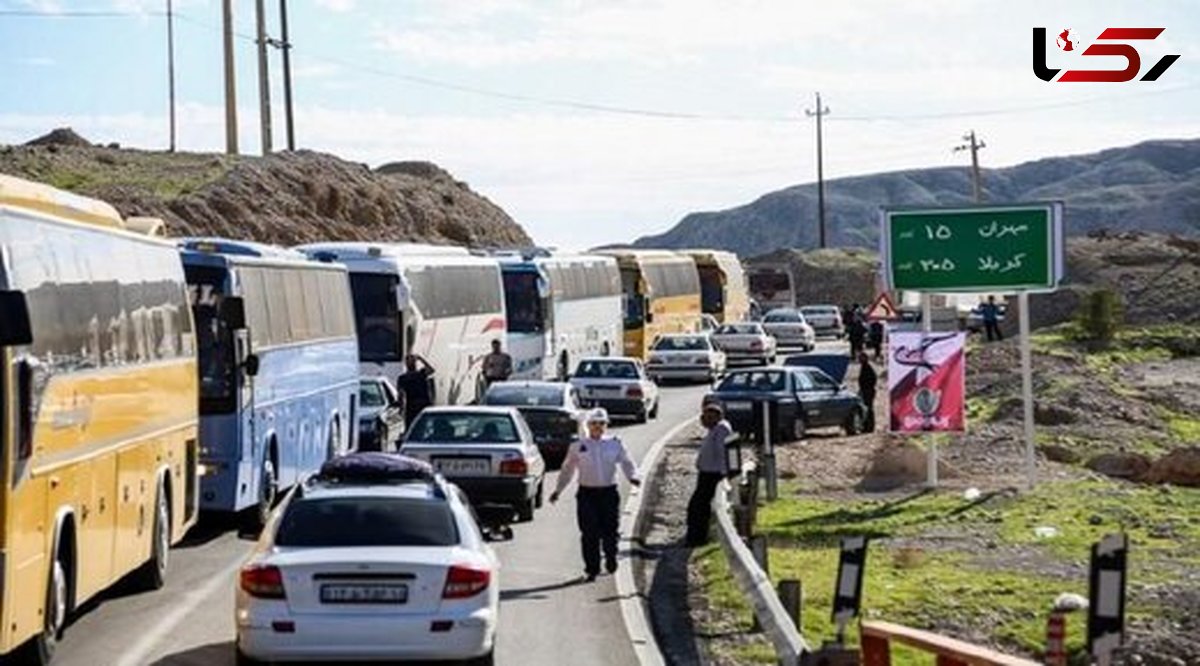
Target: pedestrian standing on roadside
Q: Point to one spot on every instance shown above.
(498, 365)
(875, 339)
(857, 333)
(868, 379)
(415, 385)
(711, 468)
(596, 458)
(991, 319)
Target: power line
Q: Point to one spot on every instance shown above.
(32, 13)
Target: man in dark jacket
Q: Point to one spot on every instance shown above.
(414, 384)
(857, 332)
(868, 379)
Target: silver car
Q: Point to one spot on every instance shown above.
(685, 356)
(745, 342)
(617, 383)
(790, 329)
(825, 320)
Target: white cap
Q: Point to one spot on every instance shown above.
(597, 415)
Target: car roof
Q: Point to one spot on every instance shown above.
(619, 359)
(470, 409)
(530, 383)
(413, 490)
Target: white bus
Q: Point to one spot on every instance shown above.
(560, 308)
(439, 302)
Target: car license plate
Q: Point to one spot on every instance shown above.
(364, 594)
(462, 466)
(738, 406)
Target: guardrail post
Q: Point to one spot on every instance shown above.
(758, 548)
(792, 597)
(768, 454)
(876, 651)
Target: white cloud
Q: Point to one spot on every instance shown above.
(44, 6)
(340, 6)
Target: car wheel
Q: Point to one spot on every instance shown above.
(241, 659)
(654, 410)
(538, 499)
(153, 574)
(525, 510)
(854, 423)
(641, 416)
(488, 659)
(798, 430)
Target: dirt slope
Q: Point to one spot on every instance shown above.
(286, 198)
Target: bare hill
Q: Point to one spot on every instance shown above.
(286, 198)
(1151, 186)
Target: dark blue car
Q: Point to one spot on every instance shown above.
(803, 397)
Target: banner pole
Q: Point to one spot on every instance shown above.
(931, 450)
(1027, 390)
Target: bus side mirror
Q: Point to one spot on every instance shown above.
(15, 329)
(250, 365)
(233, 313)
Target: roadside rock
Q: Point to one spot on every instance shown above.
(1059, 454)
(1120, 465)
(1180, 467)
(1053, 415)
(894, 466)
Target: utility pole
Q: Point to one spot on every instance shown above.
(231, 124)
(286, 47)
(264, 81)
(171, 69)
(973, 145)
(818, 114)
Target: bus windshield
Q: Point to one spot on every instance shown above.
(206, 286)
(523, 303)
(376, 316)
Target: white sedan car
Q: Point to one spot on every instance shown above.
(619, 384)
(790, 329)
(374, 558)
(685, 356)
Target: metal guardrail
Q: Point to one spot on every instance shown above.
(778, 626)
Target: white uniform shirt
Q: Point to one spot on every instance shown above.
(596, 460)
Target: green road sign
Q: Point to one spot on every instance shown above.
(1016, 247)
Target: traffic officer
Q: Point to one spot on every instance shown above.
(597, 503)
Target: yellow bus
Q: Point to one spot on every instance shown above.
(723, 290)
(98, 409)
(662, 295)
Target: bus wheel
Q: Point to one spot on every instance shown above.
(44, 645)
(153, 574)
(267, 491)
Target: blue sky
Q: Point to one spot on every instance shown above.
(726, 83)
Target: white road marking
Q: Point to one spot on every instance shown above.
(138, 653)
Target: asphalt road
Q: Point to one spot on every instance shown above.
(547, 615)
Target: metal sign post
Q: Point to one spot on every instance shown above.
(847, 596)
(1106, 606)
(1027, 391)
(931, 447)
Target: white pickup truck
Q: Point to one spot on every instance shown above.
(745, 342)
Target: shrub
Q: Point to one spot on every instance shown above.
(1100, 317)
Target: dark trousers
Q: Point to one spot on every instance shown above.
(869, 423)
(699, 511)
(597, 511)
(993, 330)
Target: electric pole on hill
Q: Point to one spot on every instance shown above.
(264, 81)
(171, 69)
(231, 123)
(286, 46)
(973, 145)
(818, 114)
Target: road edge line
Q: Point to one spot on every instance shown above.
(634, 612)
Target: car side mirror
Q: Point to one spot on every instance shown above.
(15, 328)
(250, 365)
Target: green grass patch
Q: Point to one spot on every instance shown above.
(1107, 362)
(982, 410)
(1186, 429)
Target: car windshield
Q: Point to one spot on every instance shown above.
(682, 343)
(607, 370)
(524, 396)
(760, 381)
(340, 522)
(370, 394)
(739, 329)
(464, 428)
(783, 316)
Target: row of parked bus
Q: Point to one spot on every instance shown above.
(142, 380)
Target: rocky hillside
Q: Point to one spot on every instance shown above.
(1151, 186)
(286, 198)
